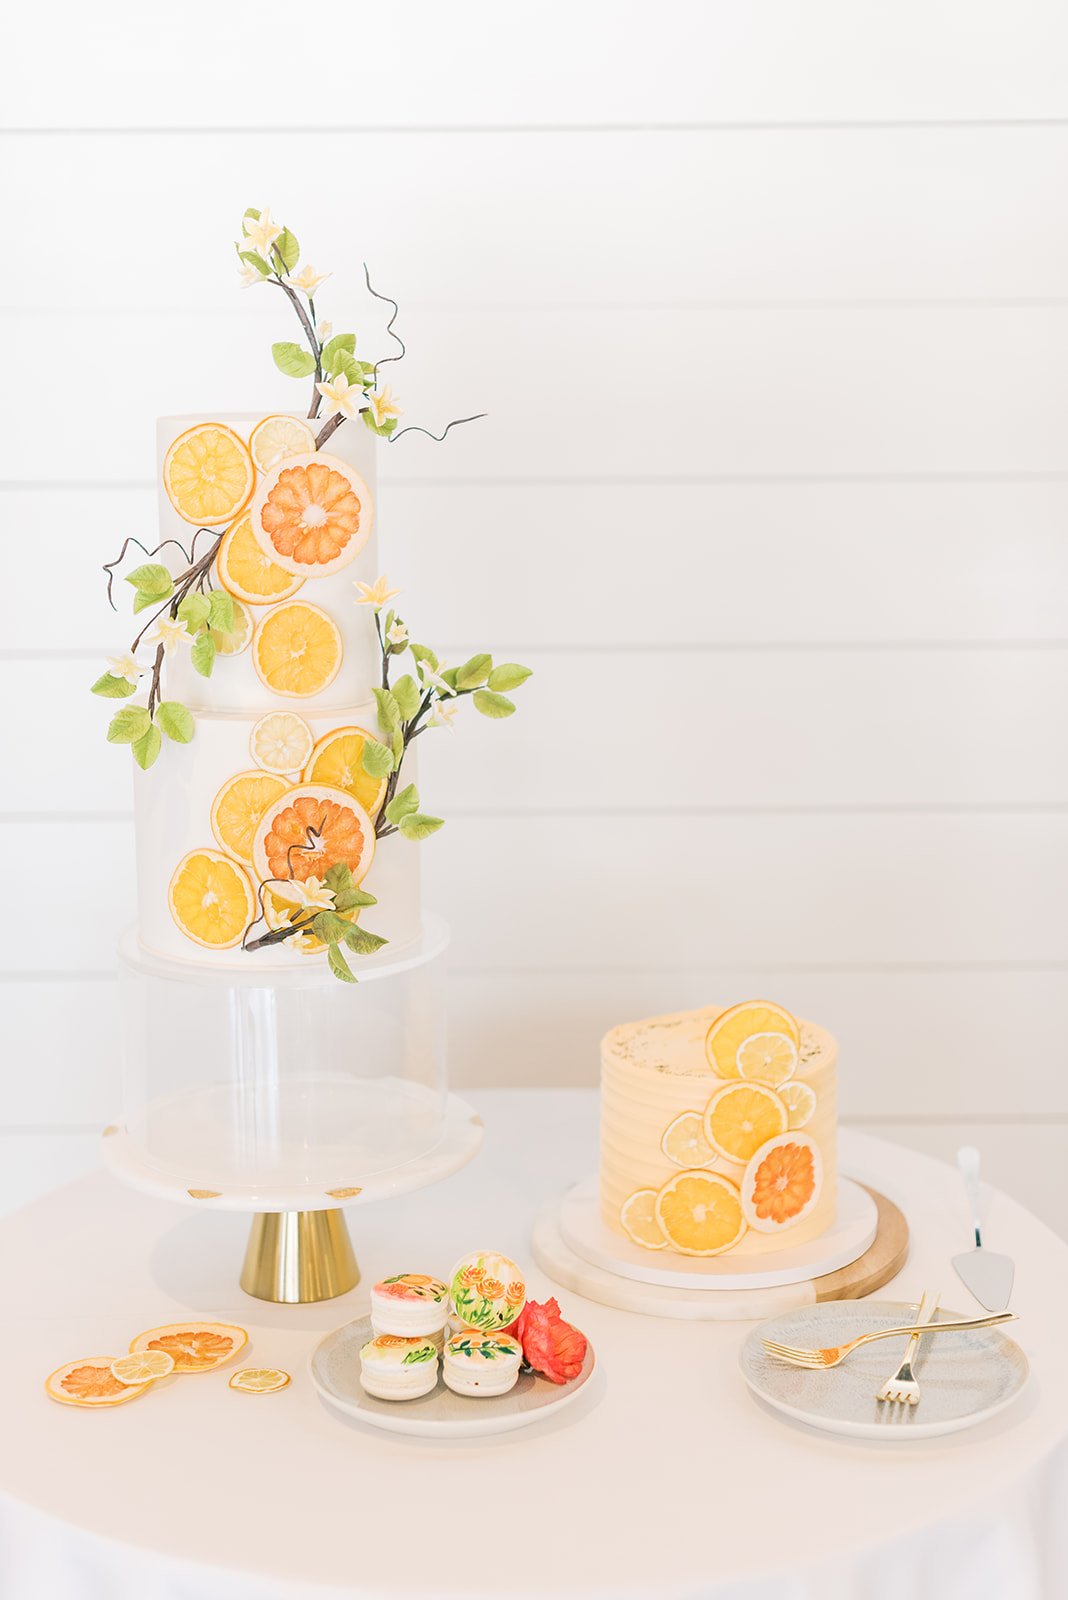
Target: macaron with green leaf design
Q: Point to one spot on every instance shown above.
(394, 1368)
(487, 1290)
(481, 1364)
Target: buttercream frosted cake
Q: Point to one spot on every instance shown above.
(718, 1131)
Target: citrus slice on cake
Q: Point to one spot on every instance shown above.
(247, 572)
(309, 830)
(279, 913)
(700, 1213)
(208, 474)
(312, 514)
(685, 1144)
(769, 1058)
(211, 899)
(297, 649)
(741, 1117)
(90, 1382)
(637, 1218)
(277, 437)
(281, 742)
(782, 1183)
(195, 1346)
(800, 1102)
(259, 1380)
(145, 1367)
(337, 760)
(732, 1028)
(240, 635)
(238, 807)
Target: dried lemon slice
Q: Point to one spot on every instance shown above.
(800, 1102)
(684, 1142)
(278, 436)
(637, 1218)
(259, 1380)
(733, 1027)
(143, 1367)
(281, 742)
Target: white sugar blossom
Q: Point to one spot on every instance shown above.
(312, 894)
(307, 280)
(301, 941)
(383, 406)
(170, 633)
(124, 667)
(343, 396)
(398, 634)
(250, 275)
(444, 712)
(262, 232)
(324, 329)
(432, 675)
(374, 594)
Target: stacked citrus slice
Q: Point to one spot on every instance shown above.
(757, 1040)
(247, 571)
(312, 514)
(310, 829)
(238, 807)
(337, 760)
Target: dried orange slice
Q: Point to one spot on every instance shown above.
(732, 1028)
(90, 1382)
(337, 760)
(240, 636)
(211, 899)
(238, 807)
(800, 1102)
(145, 1367)
(208, 474)
(277, 437)
(195, 1346)
(281, 742)
(637, 1218)
(312, 514)
(741, 1117)
(259, 1380)
(309, 830)
(685, 1144)
(782, 1182)
(297, 649)
(247, 571)
(700, 1213)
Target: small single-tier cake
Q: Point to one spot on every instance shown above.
(411, 1304)
(481, 1364)
(392, 1368)
(718, 1131)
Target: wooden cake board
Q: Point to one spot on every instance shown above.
(882, 1261)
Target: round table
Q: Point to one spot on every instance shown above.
(665, 1479)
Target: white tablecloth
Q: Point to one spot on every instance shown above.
(667, 1479)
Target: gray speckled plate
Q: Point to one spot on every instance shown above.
(335, 1372)
(964, 1378)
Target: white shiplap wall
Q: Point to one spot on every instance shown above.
(769, 306)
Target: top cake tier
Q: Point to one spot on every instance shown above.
(298, 531)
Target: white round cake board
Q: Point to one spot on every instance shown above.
(585, 1233)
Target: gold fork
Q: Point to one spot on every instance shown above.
(902, 1387)
(817, 1359)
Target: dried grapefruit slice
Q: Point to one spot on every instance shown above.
(195, 1346)
(247, 571)
(145, 1367)
(90, 1382)
(208, 474)
(700, 1213)
(259, 1380)
(782, 1183)
(733, 1027)
(741, 1117)
(637, 1218)
(238, 807)
(297, 649)
(685, 1144)
(277, 437)
(312, 513)
(337, 760)
(281, 742)
(800, 1102)
(211, 899)
(309, 830)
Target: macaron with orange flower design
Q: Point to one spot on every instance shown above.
(393, 1368)
(487, 1290)
(411, 1303)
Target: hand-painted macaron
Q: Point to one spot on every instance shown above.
(393, 1368)
(411, 1303)
(487, 1290)
(481, 1364)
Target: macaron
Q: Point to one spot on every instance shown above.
(481, 1364)
(486, 1290)
(392, 1368)
(411, 1304)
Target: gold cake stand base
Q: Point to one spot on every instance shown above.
(298, 1257)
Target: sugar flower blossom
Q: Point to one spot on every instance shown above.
(343, 396)
(170, 633)
(261, 232)
(433, 675)
(374, 594)
(312, 894)
(307, 280)
(250, 275)
(383, 406)
(124, 667)
(324, 329)
(398, 634)
(444, 712)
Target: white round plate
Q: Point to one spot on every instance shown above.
(335, 1372)
(965, 1378)
(845, 1241)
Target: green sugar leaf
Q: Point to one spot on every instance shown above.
(353, 899)
(329, 927)
(251, 212)
(113, 688)
(202, 654)
(492, 705)
(342, 344)
(377, 759)
(126, 726)
(418, 826)
(344, 363)
(193, 611)
(220, 610)
(474, 672)
(142, 601)
(292, 360)
(423, 652)
(288, 248)
(398, 749)
(147, 748)
(152, 579)
(339, 966)
(384, 429)
(403, 804)
(509, 675)
(253, 259)
(362, 942)
(339, 876)
(388, 711)
(175, 720)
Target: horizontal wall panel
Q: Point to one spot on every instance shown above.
(478, 63)
(690, 393)
(62, 1038)
(549, 219)
(646, 892)
(634, 565)
(33, 1163)
(600, 733)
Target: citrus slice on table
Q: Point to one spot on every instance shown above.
(732, 1028)
(277, 437)
(145, 1367)
(312, 514)
(259, 1380)
(208, 474)
(741, 1117)
(195, 1346)
(769, 1058)
(685, 1144)
(89, 1382)
(800, 1102)
(337, 760)
(281, 742)
(309, 830)
(700, 1213)
(240, 635)
(211, 899)
(247, 571)
(297, 649)
(637, 1218)
(782, 1183)
(238, 807)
